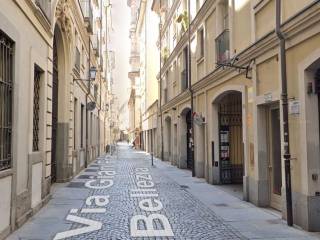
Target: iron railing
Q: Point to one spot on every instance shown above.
(223, 47)
(184, 80)
(6, 94)
(86, 9)
(36, 109)
(45, 6)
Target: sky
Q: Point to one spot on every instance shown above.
(120, 44)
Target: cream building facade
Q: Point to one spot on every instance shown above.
(135, 98)
(52, 119)
(237, 76)
(146, 30)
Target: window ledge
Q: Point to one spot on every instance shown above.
(200, 60)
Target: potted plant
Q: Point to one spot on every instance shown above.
(183, 20)
(165, 54)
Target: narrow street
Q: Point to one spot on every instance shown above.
(175, 206)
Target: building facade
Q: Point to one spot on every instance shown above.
(134, 103)
(240, 66)
(52, 118)
(146, 34)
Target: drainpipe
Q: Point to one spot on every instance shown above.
(190, 89)
(284, 98)
(100, 55)
(160, 79)
(87, 95)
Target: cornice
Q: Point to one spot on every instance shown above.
(35, 16)
(173, 102)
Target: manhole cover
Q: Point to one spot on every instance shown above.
(84, 176)
(76, 185)
(274, 221)
(221, 205)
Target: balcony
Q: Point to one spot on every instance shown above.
(95, 44)
(86, 9)
(223, 47)
(184, 80)
(45, 7)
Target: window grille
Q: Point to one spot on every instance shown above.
(6, 94)
(36, 109)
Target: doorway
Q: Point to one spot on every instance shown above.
(231, 150)
(275, 166)
(189, 144)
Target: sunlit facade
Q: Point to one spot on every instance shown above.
(237, 87)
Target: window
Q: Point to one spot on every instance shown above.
(77, 59)
(36, 108)
(201, 43)
(6, 84)
(225, 14)
(184, 73)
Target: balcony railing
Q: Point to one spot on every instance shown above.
(184, 80)
(223, 47)
(95, 44)
(45, 6)
(86, 9)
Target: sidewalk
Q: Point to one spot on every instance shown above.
(251, 221)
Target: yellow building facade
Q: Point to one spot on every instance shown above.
(236, 69)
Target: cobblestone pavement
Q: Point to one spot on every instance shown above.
(83, 209)
(187, 216)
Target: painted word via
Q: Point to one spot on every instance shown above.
(95, 204)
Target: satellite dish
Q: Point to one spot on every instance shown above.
(91, 106)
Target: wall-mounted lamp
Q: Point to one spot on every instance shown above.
(92, 77)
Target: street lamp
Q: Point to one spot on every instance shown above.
(92, 75)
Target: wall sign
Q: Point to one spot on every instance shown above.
(294, 107)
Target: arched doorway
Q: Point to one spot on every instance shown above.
(231, 149)
(185, 159)
(61, 166)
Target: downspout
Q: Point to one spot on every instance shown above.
(87, 95)
(284, 98)
(100, 55)
(160, 79)
(190, 89)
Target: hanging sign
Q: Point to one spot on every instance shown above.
(198, 119)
